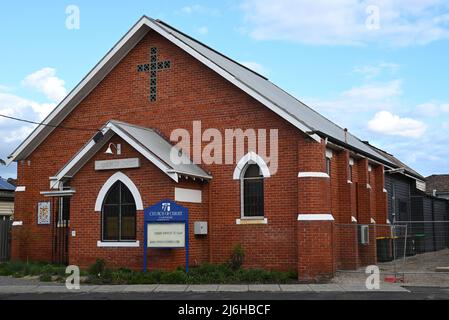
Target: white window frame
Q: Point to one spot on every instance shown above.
(239, 174)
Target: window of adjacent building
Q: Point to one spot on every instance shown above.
(119, 214)
(252, 192)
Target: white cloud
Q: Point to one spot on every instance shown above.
(203, 30)
(372, 71)
(15, 105)
(390, 124)
(18, 134)
(46, 81)
(343, 22)
(432, 109)
(197, 9)
(257, 67)
(376, 91)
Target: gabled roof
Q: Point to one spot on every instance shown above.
(146, 141)
(438, 182)
(5, 185)
(399, 163)
(298, 114)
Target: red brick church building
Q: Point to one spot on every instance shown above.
(103, 156)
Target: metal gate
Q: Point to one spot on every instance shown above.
(60, 254)
(5, 240)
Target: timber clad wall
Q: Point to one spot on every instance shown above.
(189, 91)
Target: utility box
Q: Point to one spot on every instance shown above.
(364, 234)
(200, 228)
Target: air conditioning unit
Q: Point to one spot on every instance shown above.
(364, 234)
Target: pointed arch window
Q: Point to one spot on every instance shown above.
(119, 214)
(252, 189)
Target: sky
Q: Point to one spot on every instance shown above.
(378, 67)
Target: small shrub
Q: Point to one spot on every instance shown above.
(174, 277)
(97, 268)
(237, 257)
(45, 277)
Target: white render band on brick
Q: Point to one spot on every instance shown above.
(20, 189)
(188, 195)
(251, 221)
(313, 175)
(133, 244)
(315, 217)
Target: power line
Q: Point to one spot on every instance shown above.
(48, 125)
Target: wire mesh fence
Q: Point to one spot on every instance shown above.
(415, 250)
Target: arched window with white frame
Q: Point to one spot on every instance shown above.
(252, 192)
(119, 214)
(251, 171)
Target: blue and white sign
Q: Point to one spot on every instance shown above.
(166, 227)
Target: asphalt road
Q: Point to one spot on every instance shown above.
(417, 293)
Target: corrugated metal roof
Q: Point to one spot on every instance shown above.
(5, 185)
(161, 148)
(276, 95)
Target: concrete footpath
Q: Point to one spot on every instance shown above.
(165, 288)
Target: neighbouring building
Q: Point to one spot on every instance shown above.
(438, 185)
(6, 199)
(81, 194)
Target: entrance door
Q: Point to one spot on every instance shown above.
(61, 224)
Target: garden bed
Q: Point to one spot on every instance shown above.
(100, 274)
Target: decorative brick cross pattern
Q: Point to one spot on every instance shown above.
(153, 68)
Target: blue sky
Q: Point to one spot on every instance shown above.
(379, 68)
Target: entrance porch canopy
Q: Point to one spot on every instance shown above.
(146, 141)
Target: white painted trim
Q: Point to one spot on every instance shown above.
(349, 181)
(368, 186)
(385, 190)
(188, 195)
(58, 193)
(20, 189)
(246, 221)
(131, 244)
(17, 223)
(329, 153)
(373, 221)
(370, 168)
(118, 176)
(251, 158)
(315, 217)
(117, 164)
(351, 161)
(353, 219)
(313, 175)
(388, 221)
(114, 56)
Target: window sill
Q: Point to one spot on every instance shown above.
(252, 221)
(132, 244)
